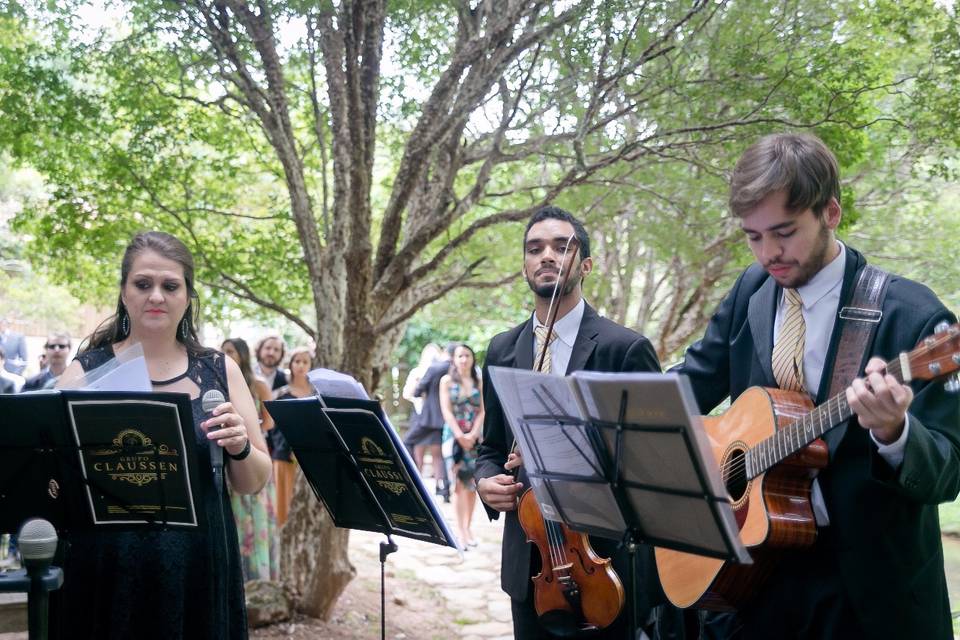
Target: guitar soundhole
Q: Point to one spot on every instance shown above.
(735, 475)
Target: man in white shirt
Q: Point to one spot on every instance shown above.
(876, 569)
(14, 346)
(583, 341)
(9, 382)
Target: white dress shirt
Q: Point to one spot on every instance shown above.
(566, 330)
(821, 299)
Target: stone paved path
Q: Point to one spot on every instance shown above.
(469, 585)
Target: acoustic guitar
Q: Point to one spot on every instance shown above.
(768, 448)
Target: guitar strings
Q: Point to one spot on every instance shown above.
(734, 469)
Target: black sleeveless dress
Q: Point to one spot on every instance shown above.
(158, 584)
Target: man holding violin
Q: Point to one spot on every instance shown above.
(556, 252)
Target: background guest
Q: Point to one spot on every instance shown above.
(56, 349)
(419, 437)
(7, 385)
(430, 423)
(284, 465)
(462, 406)
(14, 345)
(270, 351)
(255, 514)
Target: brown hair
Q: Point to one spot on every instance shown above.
(798, 163)
(243, 351)
(114, 329)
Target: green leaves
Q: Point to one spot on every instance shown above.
(637, 112)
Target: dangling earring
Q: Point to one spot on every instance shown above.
(184, 327)
(125, 324)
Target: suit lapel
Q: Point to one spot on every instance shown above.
(523, 348)
(761, 311)
(585, 343)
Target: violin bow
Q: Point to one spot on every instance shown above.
(562, 278)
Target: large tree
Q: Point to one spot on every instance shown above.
(345, 163)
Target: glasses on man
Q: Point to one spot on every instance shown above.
(56, 347)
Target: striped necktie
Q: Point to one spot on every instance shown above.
(788, 352)
(541, 333)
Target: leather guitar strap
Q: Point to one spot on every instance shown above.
(859, 321)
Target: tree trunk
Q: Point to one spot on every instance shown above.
(314, 559)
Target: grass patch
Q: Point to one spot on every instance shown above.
(462, 622)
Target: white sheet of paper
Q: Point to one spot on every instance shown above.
(333, 383)
(555, 447)
(127, 371)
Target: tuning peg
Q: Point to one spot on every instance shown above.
(941, 327)
(952, 385)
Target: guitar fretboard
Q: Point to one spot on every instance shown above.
(795, 436)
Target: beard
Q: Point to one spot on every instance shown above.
(545, 291)
(269, 361)
(812, 266)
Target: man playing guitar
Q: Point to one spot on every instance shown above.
(876, 568)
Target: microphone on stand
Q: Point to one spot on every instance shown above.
(211, 400)
(38, 543)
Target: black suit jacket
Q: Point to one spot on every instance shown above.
(279, 380)
(888, 551)
(430, 416)
(601, 345)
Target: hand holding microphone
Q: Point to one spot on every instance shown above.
(225, 430)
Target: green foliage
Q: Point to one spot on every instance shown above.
(132, 128)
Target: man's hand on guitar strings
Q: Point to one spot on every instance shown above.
(880, 402)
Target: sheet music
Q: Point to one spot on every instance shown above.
(655, 400)
(127, 371)
(545, 414)
(333, 383)
(641, 436)
(524, 392)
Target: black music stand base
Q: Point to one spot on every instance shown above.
(386, 548)
(631, 542)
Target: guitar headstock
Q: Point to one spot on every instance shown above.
(936, 356)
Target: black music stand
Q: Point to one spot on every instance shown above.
(361, 472)
(621, 456)
(90, 459)
(97, 460)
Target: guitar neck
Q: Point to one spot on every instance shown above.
(790, 439)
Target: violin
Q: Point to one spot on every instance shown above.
(576, 590)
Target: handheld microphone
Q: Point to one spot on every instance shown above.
(211, 400)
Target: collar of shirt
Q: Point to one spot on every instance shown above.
(567, 327)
